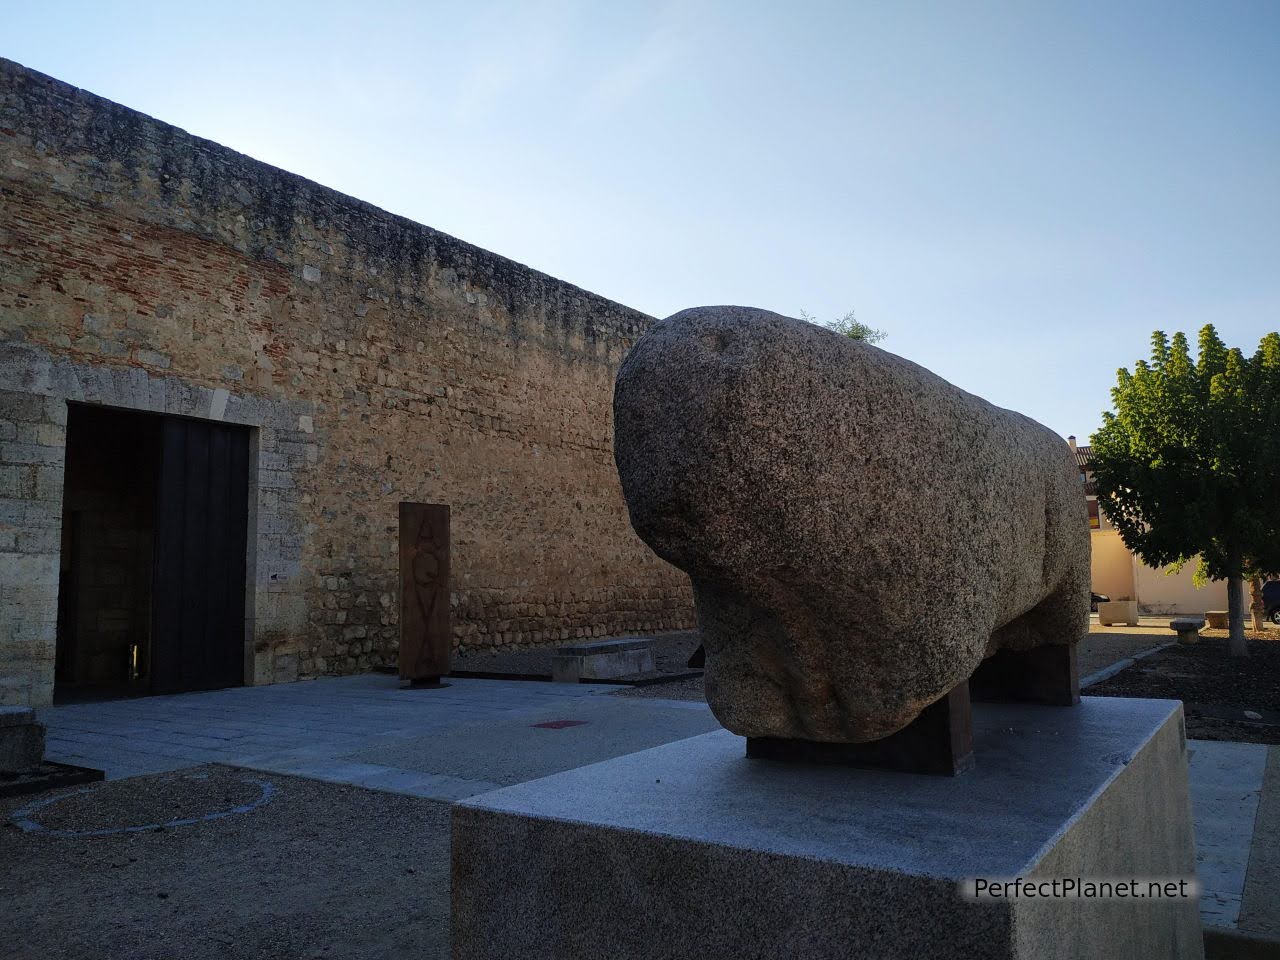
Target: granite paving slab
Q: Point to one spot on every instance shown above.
(1259, 906)
(539, 743)
(1226, 784)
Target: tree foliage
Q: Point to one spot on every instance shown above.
(1188, 463)
(849, 326)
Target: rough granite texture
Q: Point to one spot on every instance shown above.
(376, 360)
(692, 850)
(860, 533)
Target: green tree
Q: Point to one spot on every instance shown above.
(1188, 463)
(849, 326)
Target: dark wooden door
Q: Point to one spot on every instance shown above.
(202, 520)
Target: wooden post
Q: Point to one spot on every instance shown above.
(939, 741)
(426, 633)
(1049, 674)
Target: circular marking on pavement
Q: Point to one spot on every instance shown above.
(22, 818)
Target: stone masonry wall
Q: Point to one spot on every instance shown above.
(378, 359)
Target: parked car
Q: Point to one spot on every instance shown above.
(1271, 600)
(1095, 599)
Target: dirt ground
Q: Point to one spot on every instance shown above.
(1216, 689)
(298, 869)
(1267, 633)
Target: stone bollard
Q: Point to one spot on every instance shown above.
(21, 740)
(1187, 628)
(1217, 619)
(1112, 612)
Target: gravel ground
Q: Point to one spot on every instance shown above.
(1101, 648)
(1266, 633)
(1098, 650)
(1216, 689)
(308, 870)
(690, 689)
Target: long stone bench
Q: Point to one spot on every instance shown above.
(603, 660)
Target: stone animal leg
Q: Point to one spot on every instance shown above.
(1034, 658)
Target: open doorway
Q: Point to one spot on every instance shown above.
(154, 535)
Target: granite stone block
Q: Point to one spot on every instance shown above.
(692, 850)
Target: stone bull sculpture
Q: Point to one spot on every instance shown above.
(859, 532)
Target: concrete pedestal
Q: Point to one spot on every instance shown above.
(692, 850)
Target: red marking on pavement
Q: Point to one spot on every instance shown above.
(558, 724)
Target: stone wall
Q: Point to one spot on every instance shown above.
(378, 360)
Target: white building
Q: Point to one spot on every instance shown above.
(1120, 575)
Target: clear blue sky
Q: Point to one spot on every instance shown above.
(1018, 192)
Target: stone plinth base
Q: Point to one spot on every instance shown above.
(603, 660)
(692, 850)
(21, 740)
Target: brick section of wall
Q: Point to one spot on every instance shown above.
(385, 361)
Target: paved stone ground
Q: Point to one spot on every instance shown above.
(1260, 908)
(475, 735)
(339, 730)
(1226, 786)
(512, 750)
(322, 869)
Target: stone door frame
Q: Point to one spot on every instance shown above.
(35, 390)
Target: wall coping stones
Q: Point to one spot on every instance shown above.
(233, 194)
